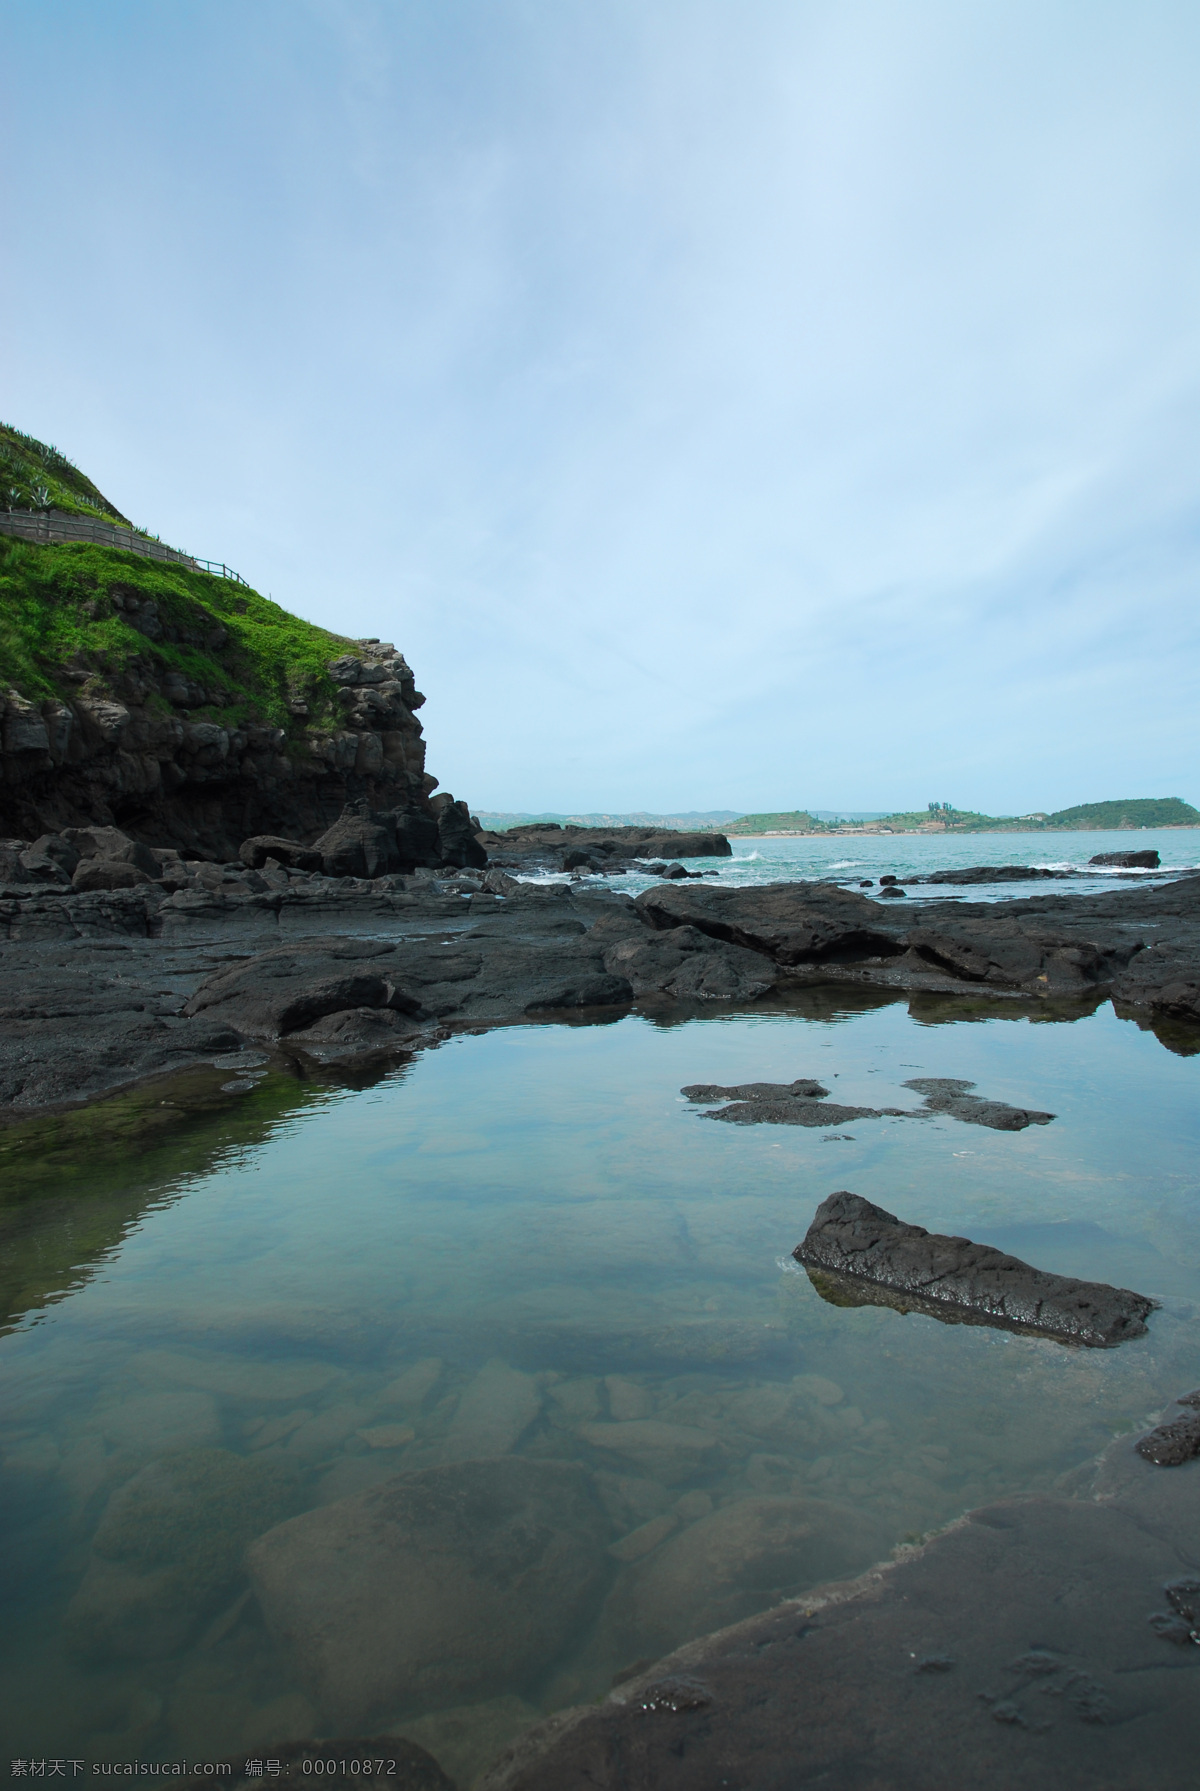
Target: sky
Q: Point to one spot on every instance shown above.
(737, 405)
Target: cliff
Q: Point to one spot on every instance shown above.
(187, 709)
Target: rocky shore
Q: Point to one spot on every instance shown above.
(123, 962)
(1047, 1642)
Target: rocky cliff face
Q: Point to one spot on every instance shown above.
(128, 749)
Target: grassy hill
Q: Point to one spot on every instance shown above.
(67, 617)
(35, 476)
(1138, 811)
(795, 820)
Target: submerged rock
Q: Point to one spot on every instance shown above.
(950, 1277)
(169, 1548)
(443, 1586)
(733, 1562)
(494, 1411)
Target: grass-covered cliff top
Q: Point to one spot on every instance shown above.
(35, 476)
(58, 618)
(68, 609)
(65, 610)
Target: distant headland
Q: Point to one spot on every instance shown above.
(937, 817)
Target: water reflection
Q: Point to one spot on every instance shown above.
(529, 1250)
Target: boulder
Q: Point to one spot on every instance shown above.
(168, 1549)
(1128, 861)
(660, 1450)
(417, 838)
(108, 873)
(267, 848)
(50, 859)
(494, 1412)
(359, 844)
(856, 1242)
(457, 841)
(445, 1585)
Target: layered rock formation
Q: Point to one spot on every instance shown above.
(130, 750)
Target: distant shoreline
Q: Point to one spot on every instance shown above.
(902, 833)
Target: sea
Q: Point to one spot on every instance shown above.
(858, 859)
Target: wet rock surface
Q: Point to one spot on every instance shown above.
(1035, 1643)
(1145, 861)
(1170, 1444)
(858, 1242)
(803, 1103)
(104, 987)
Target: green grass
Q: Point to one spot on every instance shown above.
(56, 611)
(35, 476)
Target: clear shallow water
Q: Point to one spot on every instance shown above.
(775, 860)
(539, 1206)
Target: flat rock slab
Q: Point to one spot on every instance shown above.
(803, 1103)
(861, 1245)
(1018, 1649)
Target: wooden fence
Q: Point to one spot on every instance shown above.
(56, 525)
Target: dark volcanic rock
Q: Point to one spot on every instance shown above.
(800, 1103)
(854, 1239)
(794, 923)
(94, 986)
(1176, 1441)
(805, 1088)
(458, 842)
(1131, 861)
(281, 992)
(992, 873)
(803, 1104)
(359, 844)
(265, 848)
(107, 873)
(946, 1094)
(1010, 1653)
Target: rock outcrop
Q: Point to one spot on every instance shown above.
(1128, 861)
(143, 748)
(547, 846)
(857, 1242)
(1021, 1647)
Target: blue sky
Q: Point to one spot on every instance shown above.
(750, 405)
